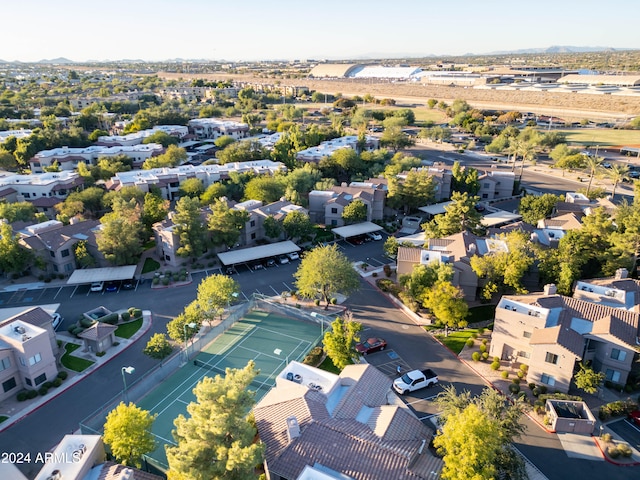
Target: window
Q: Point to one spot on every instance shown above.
(547, 379)
(524, 354)
(253, 223)
(612, 375)
(551, 358)
(27, 381)
(253, 236)
(52, 253)
(22, 361)
(9, 384)
(55, 268)
(486, 185)
(5, 363)
(37, 358)
(65, 252)
(40, 379)
(334, 210)
(526, 334)
(618, 354)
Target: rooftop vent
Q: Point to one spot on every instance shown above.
(55, 475)
(293, 429)
(550, 289)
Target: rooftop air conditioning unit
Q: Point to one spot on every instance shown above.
(55, 475)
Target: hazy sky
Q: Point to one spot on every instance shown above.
(151, 30)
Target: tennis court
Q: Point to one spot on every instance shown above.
(271, 341)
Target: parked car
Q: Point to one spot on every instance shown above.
(97, 286)
(111, 287)
(283, 259)
(357, 240)
(257, 266)
(269, 262)
(374, 236)
(230, 271)
(415, 380)
(635, 417)
(56, 320)
(293, 256)
(371, 345)
(127, 285)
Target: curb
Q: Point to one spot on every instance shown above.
(610, 460)
(81, 375)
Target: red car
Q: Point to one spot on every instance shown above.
(371, 345)
(635, 417)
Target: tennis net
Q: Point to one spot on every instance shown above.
(268, 383)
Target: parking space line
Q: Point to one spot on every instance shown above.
(56, 295)
(245, 297)
(274, 290)
(288, 287)
(74, 291)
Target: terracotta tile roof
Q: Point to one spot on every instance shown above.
(5, 192)
(409, 254)
(561, 335)
(383, 445)
(45, 201)
(98, 331)
(614, 329)
(567, 221)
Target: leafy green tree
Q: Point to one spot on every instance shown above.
(179, 330)
(212, 193)
(424, 277)
(416, 190)
(192, 187)
(272, 227)
(172, 157)
(87, 203)
(447, 304)
(226, 223)
(265, 188)
(464, 179)
(216, 441)
(158, 347)
(354, 212)
(84, 258)
(190, 228)
(215, 293)
(395, 138)
(566, 158)
(460, 215)
(17, 211)
(476, 435)
(242, 151)
(326, 271)
(127, 432)
(14, 258)
(390, 247)
(224, 141)
(340, 341)
(535, 208)
(296, 224)
(162, 138)
(7, 160)
(588, 380)
(154, 209)
(120, 238)
(432, 102)
(287, 146)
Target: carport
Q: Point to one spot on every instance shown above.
(251, 254)
(108, 274)
(356, 229)
(499, 219)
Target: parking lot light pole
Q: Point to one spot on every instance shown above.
(186, 340)
(130, 371)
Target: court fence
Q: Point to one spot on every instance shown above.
(94, 423)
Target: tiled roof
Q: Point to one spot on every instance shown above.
(55, 239)
(7, 191)
(45, 201)
(98, 331)
(35, 316)
(561, 335)
(613, 327)
(409, 254)
(568, 221)
(381, 446)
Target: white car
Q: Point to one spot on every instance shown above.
(374, 236)
(97, 286)
(293, 256)
(56, 320)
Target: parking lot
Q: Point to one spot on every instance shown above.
(629, 432)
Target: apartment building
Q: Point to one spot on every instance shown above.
(253, 230)
(551, 332)
(328, 148)
(54, 185)
(495, 185)
(441, 177)
(326, 206)
(212, 128)
(68, 158)
(136, 138)
(27, 352)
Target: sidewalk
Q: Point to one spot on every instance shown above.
(16, 410)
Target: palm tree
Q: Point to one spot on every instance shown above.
(528, 154)
(515, 146)
(618, 173)
(594, 164)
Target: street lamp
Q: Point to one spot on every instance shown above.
(130, 371)
(186, 340)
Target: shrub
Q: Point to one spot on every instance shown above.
(481, 331)
(484, 341)
(374, 274)
(71, 328)
(316, 302)
(387, 270)
(165, 281)
(606, 437)
(135, 313)
(62, 374)
(532, 386)
(624, 450)
(483, 348)
(504, 374)
(334, 301)
(100, 354)
(22, 396)
(43, 390)
(485, 355)
(409, 301)
(155, 281)
(313, 356)
(520, 374)
(77, 331)
(56, 382)
(47, 384)
(514, 388)
(496, 359)
(388, 286)
(543, 389)
(524, 368)
(474, 335)
(535, 391)
(87, 322)
(111, 319)
(470, 343)
(495, 366)
(115, 344)
(125, 316)
(475, 356)
(613, 452)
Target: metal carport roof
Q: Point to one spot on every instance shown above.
(90, 275)
(245, 255)
(356, 229)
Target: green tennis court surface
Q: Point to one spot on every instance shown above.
(269, 340)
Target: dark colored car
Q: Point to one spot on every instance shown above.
(111, 287)
(635, 417)
(127, 285)
(371, 345)
(357, 240)
(230, 271)
(269, 262)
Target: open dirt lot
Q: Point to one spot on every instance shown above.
(569, 106)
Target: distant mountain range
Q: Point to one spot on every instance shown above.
(549, 50)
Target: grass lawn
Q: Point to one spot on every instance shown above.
(128, 329)
(74, 363)
(456, 340)
(429, 115)
(3, 418)
(328, 366)
(605, 137)
(150, 265)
